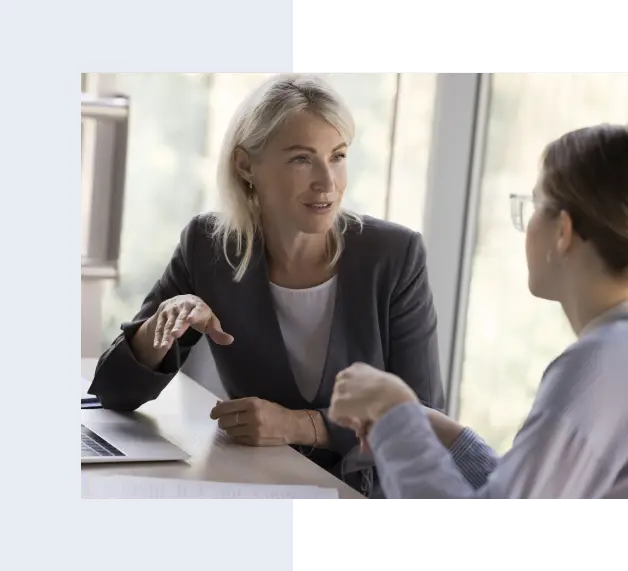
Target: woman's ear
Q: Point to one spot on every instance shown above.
(565, 233)
(242, 163)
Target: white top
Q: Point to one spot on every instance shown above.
(305, 317)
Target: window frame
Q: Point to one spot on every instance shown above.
(103, 172)
(456, 161)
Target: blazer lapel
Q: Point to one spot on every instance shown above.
(277, 376)
(347, 343)
(346, 318)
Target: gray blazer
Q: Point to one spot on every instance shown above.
(384, 315)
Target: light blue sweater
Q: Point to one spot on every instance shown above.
(574, 443)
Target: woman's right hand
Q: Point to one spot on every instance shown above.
(177, 314)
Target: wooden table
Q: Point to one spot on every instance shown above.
(181, 414)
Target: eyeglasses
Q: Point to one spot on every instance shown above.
(521, 210)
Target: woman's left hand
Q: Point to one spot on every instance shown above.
(363, 394)
(254, 422)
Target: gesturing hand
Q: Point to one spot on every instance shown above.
(363, 394)
(254, 422)
(176, 315)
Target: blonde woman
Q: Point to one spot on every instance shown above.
(574, 443)
(286, 286)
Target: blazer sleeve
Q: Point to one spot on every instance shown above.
(341, 440)
(123, 383)
(413, 353)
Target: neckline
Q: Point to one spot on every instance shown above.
(313, 289)
(610, 315)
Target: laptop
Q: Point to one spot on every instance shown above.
(108, 437)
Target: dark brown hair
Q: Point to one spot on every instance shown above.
(585, 173)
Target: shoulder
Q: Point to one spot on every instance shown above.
(200, 231)
(383, 239)
(600, 351)
(585, 389)
(201, 226)
(199, 241)
(590, 373)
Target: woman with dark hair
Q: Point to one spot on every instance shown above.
(574, 442)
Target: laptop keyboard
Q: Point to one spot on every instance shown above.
(94, 445)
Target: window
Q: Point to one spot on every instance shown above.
(176, 128)
(104, 129)
(87, 142)
(411, 149)
(388, 159)
(511, 337)
(164, 182)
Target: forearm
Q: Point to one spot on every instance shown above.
(411, 461)
(447, 429)
(125, 382)
(308, 429)
(142, 345)
(474, 458)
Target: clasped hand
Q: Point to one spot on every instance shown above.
(254, 421)
(363, 394)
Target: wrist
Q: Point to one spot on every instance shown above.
(446, 429)
(144, 336)
(150, 326)
(386, 405)
(301, 428)
(142, 344)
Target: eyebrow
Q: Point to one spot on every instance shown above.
(311, 149)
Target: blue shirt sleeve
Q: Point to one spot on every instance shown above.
(474, 458)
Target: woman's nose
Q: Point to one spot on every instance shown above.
(323, 180)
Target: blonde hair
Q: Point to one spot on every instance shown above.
(255, 121)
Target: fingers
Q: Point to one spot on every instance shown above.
(173, 313)
(165, 332)
(351, 422)
(167, 338)
(185, 317)
(346, 408)
(340, 396)
(203, 315)
(182, 322)
(355, 370)
(247, 421)
(196, 314)
(363, 430)
(235, 419)
(349, 371)
(158, 342)
(232, 406)
(360, 426)
(215, 332)
(236, 432)
(242, 426)
(179, 313)
(346, 377)
(364, 446)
